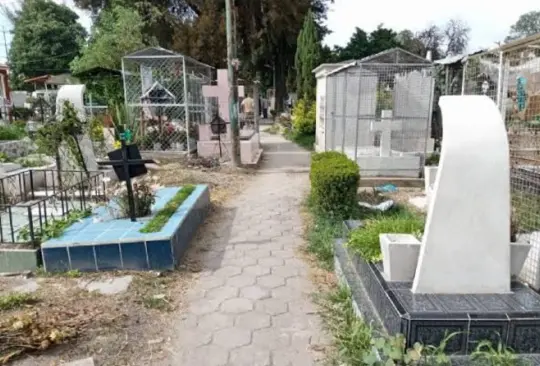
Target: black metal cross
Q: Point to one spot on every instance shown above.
(125, 163)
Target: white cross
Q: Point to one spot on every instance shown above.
(386, 125)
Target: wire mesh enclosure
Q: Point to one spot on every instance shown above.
(163, 94)
(377, 111)
(510, 75)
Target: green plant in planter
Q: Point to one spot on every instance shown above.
(54, 228)
(144, 197)
(433, 159)
(365, 240)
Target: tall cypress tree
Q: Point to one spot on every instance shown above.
(308, 55)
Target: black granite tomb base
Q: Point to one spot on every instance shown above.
(511, 318)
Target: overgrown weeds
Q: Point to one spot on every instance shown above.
(352, 337)
(16, 300)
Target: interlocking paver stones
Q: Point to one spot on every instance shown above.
(257, 270)
(271, 261)
(271, 306)
(222, 293)
(251, 304)
(250, 356)
(231, 338)
(271, 281)
(253, 320)
(271, 338)
(242, 280)
(215, 321)
(254, 293)
(210, 355)
(228, 271)
(237, 306)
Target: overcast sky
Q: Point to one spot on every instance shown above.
(489, 23)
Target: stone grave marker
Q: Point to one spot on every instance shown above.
(466, 243)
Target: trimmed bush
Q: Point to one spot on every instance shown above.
(365, 240)
(334, 183)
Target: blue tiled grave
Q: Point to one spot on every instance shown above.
(512, 318)
(100, 242)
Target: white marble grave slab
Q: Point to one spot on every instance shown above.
(466, 243)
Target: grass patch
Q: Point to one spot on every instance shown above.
(73, 273)
(16, 300)
(157, 302)
(162, 217)
(305, 141)
(365, 240)
(53, 228)
(352, 337)
(11, 132)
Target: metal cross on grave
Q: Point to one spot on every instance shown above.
(122, 167)
(386, 126)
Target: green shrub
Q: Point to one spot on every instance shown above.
(334, 183)
(325, 155)
(365, 240)
(433, 159)
(303, 118)
(11, 132)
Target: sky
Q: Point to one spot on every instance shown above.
(489, 23)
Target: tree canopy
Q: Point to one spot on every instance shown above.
(527, 25)
(308, 54)
(117, 32)
(46, 37)
(452, 38)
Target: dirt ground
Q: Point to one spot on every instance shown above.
(119, 329)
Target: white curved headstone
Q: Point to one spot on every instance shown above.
(466, 243)
(73, 94)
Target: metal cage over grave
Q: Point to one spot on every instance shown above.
(163, 94)
(510, 76)
(377, 110)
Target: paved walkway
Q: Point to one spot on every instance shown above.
(251, 306)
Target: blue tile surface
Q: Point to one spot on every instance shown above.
(118, 243)
(160, 254)
(134, 256)
(55, 259)
(108, 257)
(82, 258)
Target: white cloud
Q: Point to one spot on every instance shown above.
(489, 23)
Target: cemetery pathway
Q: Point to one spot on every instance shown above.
(251, 305)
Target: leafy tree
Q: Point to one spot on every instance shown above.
(46, 37)
(408, 41)
(308, 55)
(457, 37)
(117, 32)
(527, 25)
(359, 46)
(382, 39)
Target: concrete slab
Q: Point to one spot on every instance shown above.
(83, 362)
(109, 286)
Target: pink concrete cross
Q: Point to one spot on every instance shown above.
(221, 91)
